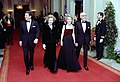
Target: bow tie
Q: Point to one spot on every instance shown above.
(27, 21)
(83, 22)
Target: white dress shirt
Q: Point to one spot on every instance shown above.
(84, 27)
(28, 25)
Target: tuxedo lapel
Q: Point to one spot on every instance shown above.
(31, 25)
(25, 26)
(86, 27)
(81, 27)
(99, 22)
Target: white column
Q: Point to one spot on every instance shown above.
(63, 2)
(72, 8)
(68, 6)
(86, 8)
(56, 6)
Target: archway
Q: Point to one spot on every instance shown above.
(19, 14)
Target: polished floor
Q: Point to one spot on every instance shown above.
(1, 54)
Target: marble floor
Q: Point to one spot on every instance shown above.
(110, 62)
(1, 54)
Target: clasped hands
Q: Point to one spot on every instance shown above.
(101, 40)
(76, 44)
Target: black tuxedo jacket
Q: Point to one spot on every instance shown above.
(48, 35)
(81, 36)
(26, 37)
(100, 30)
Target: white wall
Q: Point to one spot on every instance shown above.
(92, 7)
(71, 7)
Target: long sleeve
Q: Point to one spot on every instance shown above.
(20, 32)
(103, 29)
(37, 31)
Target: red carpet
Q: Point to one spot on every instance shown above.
(16, 69)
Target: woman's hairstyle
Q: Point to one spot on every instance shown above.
(66, 17)
(49, 16)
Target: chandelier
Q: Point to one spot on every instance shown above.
(19, 6)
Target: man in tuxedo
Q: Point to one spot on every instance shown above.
(100, 35)
(83, 37)
(29, 34)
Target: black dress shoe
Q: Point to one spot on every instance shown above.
(86, 68)
(45, 66)
(53, 70)
(32, 68)
(80, 68)
(27, 72)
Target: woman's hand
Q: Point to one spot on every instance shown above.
(76, 44)
(44, 46)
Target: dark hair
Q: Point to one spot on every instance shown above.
(101, 14)
(29, 12)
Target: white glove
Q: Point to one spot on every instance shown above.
(101, 40)
(95, 38)
(20, 43)
(36, 41)
(61, 43)
(4, 29)
(44, 46)
(76, 44)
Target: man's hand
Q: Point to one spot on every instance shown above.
(20, 43)
(36, 41)
(101, 40)
(76, 44)
(95, 38)
(61, 43)
(44, 46)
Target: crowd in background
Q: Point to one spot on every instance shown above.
(6, 27)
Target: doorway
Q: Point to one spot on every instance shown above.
(78, 7)
(19, 14)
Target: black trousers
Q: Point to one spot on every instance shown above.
(28, 56)
(9, 37)
(99, 49)
(85, 52)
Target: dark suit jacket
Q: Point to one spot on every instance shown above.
(26, 37)
(48, 35)
(100, 30)
(80, 36)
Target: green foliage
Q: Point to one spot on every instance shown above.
(118, 60)
(112, 31)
